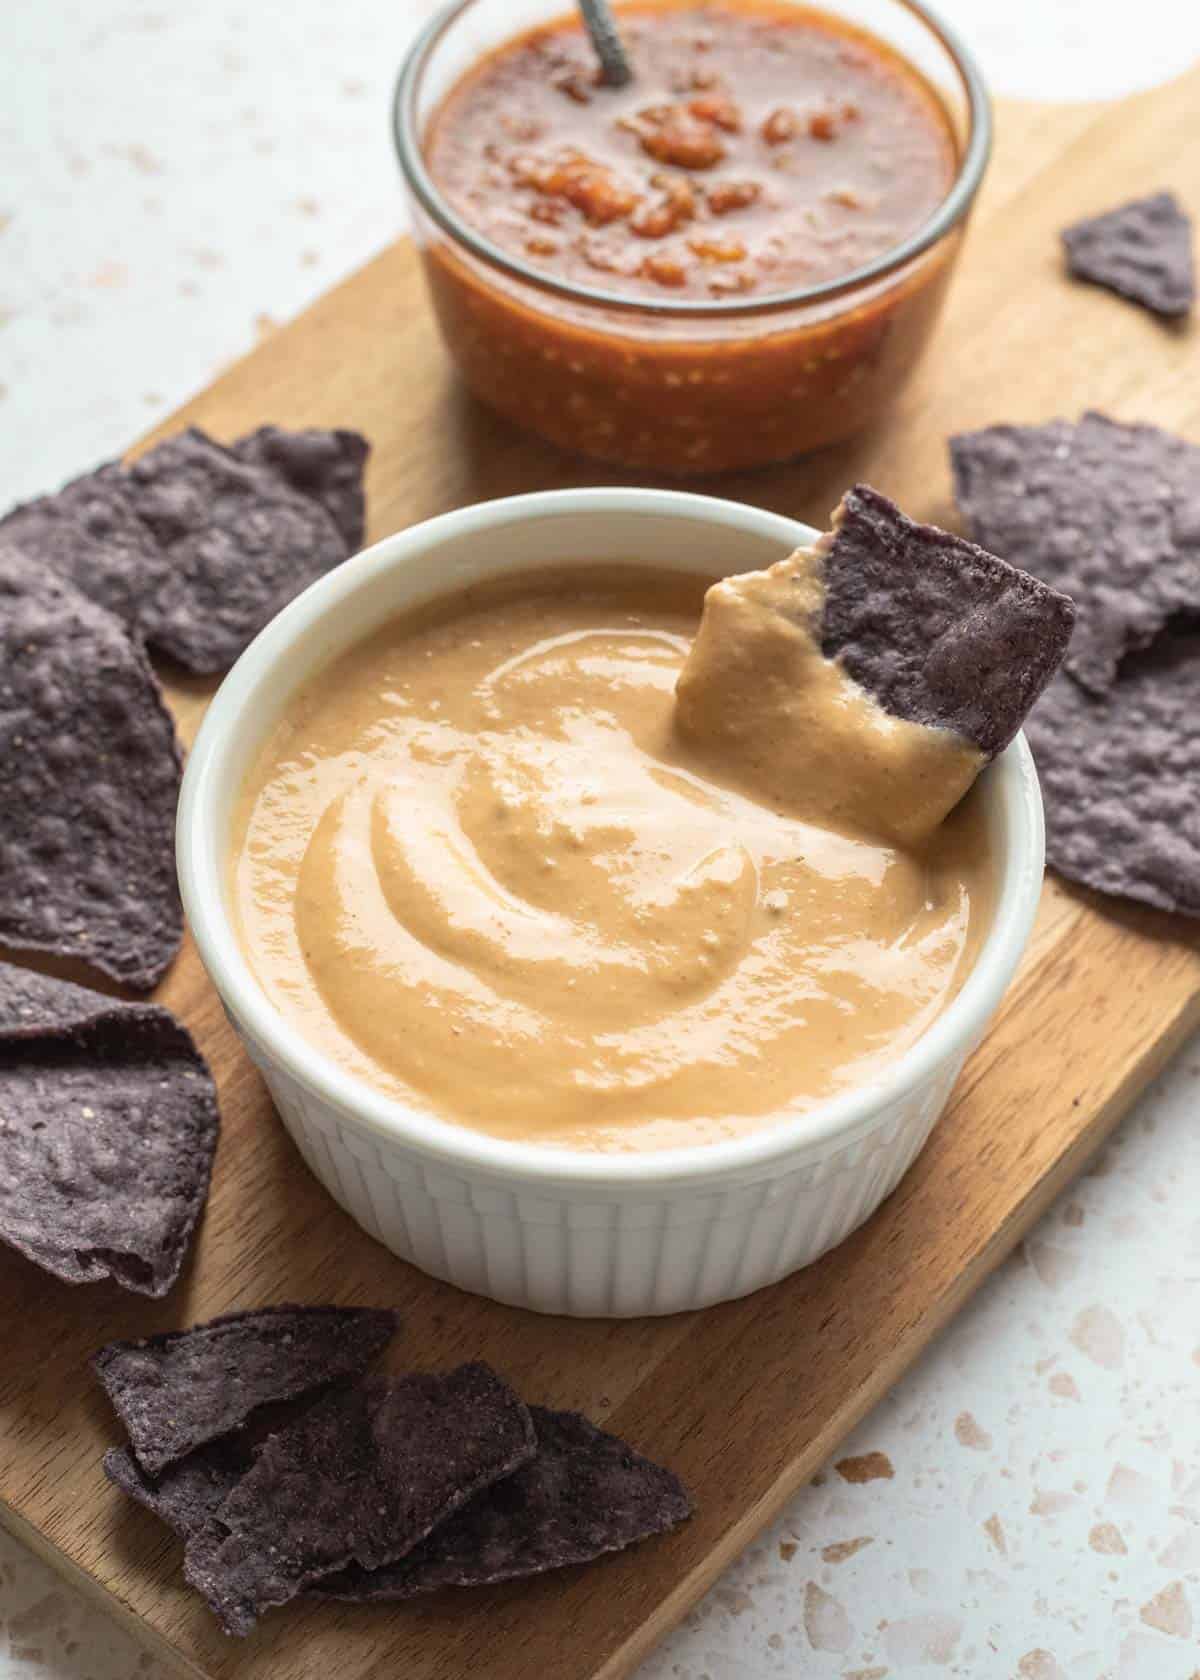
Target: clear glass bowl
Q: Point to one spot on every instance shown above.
(685, 387)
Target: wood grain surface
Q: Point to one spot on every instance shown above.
(745, 1400)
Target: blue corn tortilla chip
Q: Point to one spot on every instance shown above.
(175, 1392)
(362, 1478)
(189, 1493)
(108, 1125)
(1120, 776)
(939, 631)
(35, 1005)
(326, 466)
(239, 544)
(90, 535)
(195, 547)
(586, 1493)
(90, 769)
(1107, 512)
(1142, 251)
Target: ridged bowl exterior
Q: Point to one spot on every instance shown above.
(568, 1250)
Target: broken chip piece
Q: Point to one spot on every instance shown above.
(363, 1476)
(177, 1391)
(1141, 250)
(586, 1493)
(108, 1124)
(189, 1492)
(239, 544)
(1109, 513)
(90, 768)
(1120, 773)
(324, 465)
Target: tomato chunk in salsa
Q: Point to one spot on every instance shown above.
(759, 148)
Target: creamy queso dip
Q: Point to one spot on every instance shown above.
(487, 864)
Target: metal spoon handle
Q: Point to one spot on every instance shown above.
(601, 26)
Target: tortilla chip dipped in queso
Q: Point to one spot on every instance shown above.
(869, 679)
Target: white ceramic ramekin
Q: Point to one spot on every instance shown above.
(557, 1230)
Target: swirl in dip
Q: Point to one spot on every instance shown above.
(490, 864)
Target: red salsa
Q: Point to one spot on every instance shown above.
(761, 147)
(758, 149)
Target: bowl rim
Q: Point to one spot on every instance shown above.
(202, 854)
(952, 209)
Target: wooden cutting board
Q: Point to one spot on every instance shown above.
(745, 1400)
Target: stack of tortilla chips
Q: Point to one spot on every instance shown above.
(287, 1469)
(1109, 513)
(187, 553)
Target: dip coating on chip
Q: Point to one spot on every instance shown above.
(1107, 512)
(176, 1391)
(90, 769)
(1121, 777)
(1141, 250)
(864, 682)
(108, 1124)
(586, 1493)
(361, 1478)
(239, 544)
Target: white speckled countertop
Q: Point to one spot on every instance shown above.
(1026, 1504)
